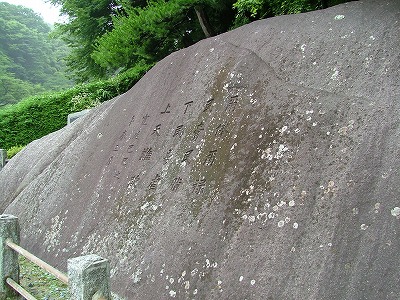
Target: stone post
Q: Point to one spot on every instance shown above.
(3, 158)
(89, 278)
(9, 267)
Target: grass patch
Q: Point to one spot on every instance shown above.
(41, 285)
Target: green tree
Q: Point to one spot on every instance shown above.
(159, 29)
(30, 62)
(11, 88)
(87, 21)
(109, 36)
(250, 10)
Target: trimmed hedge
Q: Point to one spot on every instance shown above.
(37, 116)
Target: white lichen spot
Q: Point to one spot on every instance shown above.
(172, 293)
(195, 292)
(260, 136)
(208, 264)
(335, 74)
(233, 146)
(295, 225)
(303, 48)
(187, 285)
(291, 203)
(144, 205)
(355, 211)
(281, 150)
(240, 278)
(282, 203)
(283, 129)
(136, 275)
(395, 212)
(372, 37)
(308, 112)
(99, 135)
(53, 235)
(271, 215)
(252, 282)
(212, 49)
(339, 17)
(252, 219)
(363, 226)
(297, 130)
(281, 223)
(266, 154)
(194, 272)
(171, 280)
(377, 207)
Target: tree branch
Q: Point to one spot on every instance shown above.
(201, 15)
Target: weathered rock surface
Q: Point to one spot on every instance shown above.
(259, 164)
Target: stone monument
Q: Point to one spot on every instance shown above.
(3, 158)
(259, 164)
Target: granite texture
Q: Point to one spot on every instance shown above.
(259, 164)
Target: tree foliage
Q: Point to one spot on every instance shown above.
(87, 21)
(155, 31)
(30, 62)
(109, 36)
(250, 10)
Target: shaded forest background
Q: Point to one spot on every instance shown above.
(31, 62)
(101, 51)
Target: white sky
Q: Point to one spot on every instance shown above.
(50, 13)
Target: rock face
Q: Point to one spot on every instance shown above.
(259, 164)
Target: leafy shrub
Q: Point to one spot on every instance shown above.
(14, 150)
(38, 116)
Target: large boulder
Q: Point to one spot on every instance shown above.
(259, 164)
